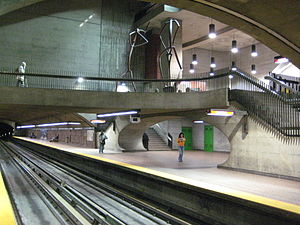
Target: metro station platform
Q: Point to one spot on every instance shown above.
(201, 167)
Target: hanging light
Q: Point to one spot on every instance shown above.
(194, 62)
(234, 48)
(212, 62)
(233, 66)
(192, 69)
(211, 72)
(212, 31)
(253, 51)
(253, 70)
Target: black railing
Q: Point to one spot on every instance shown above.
(203, 82)
(281, 112)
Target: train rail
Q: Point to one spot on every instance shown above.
(74, 198)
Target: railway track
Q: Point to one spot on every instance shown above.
(74, 198)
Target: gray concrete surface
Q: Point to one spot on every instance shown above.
(55, 101)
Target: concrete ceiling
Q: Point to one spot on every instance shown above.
(275, 24)
(195, 26)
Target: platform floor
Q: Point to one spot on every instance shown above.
(201, 166)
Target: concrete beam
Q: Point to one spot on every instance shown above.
(12, 5)
(193, 43)
(13, 100)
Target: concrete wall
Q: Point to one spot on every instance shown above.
(83, 137)
(173, 127)
(264, 62)
(258, 150)
(203, 56)
(48, 36)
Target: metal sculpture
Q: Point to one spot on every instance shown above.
(169, 47)
(137, 38)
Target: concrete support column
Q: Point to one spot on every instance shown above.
(151, 55)
(173, 71)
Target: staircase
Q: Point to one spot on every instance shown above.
(280, 112)
(155, 141)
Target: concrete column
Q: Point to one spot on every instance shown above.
(173, 71)
(152, 52)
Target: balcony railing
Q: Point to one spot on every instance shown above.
(281, 111)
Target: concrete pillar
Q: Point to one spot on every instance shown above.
(152, 52)
(173, 71)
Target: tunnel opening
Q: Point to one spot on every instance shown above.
(6, 130)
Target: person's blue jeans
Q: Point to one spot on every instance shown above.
(180, 149)
(101, 148)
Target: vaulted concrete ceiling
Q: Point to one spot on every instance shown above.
(275, 24)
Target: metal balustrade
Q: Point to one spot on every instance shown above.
(279, 110)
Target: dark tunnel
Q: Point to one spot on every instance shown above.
(6, 130)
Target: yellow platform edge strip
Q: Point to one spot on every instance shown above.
(7, 215)
(211, 187)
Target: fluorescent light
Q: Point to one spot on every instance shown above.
(73, 123)
(212, 31)
(25, 126)
(91, 16)
(81, 24)
(58, 124)
(98, 121)
(234, 48)
(80, 80)
(117, 113)
(198, 121)
(230, 76)
(280, 59)
(214, 112)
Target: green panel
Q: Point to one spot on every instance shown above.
(208, 138)
(188, 134)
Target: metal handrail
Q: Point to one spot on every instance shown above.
(115, 79)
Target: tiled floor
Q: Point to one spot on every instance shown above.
(201, 166)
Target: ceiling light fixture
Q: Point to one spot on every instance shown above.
(215, 112)
(212, 62)
(253, 69)
(198, 121)
(234, 48)
(253, 51)
(233, 66)
(132, 112)
(80, 80)
(212, 31)
(194, 62)
(211, 72)
(192, 69)
(230, 76)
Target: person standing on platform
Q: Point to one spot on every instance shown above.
(21, 77)
(181, 142)
(146, 141)
(102, 139)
